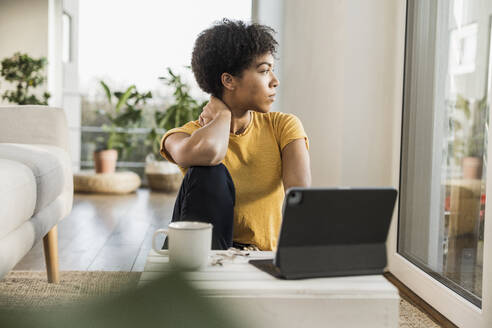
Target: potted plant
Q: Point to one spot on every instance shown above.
(469, 143)
(122, 114)
(161, 174)
(26, 73)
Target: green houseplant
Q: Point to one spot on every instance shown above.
(183, 109)
(162, 175)
(124, 113)
(467, 121)
(25, 73)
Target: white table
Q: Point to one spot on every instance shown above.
(257, 299)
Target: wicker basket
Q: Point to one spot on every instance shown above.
(122, 182)
(164, 182)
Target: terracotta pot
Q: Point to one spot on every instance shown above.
(105, 160)
(472, 168)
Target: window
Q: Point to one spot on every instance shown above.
(67, 38)
(134, 45)
(444, 142)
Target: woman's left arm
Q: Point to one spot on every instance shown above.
(296, 170)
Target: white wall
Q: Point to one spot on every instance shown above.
(272, 13)
(55, 67)
(71, 95)
(24, 28)
(34, 27)
(342, 76)
(372, 68)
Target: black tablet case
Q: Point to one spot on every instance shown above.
(332, 232)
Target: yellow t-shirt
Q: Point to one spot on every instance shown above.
(255, 163)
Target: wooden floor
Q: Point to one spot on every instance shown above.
(107, 232)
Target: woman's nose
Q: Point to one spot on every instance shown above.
(275, 82)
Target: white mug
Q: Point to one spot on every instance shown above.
(189, 244)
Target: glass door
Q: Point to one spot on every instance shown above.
(439, 249)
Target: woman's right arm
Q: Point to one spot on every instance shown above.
(207, 146)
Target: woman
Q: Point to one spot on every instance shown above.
(238, 158)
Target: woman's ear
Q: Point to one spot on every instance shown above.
(228, 81)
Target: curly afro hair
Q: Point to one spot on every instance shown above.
(228, 47)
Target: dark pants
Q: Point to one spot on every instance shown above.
(207, 194)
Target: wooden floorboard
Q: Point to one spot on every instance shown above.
(141, 258)
(115, 258)
(107, 232)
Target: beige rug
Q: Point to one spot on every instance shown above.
(413, 317)
(30, 289)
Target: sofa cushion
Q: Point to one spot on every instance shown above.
(17, 195)
(46, 163)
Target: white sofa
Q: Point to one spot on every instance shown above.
(36, 183)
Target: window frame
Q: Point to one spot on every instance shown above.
(452, 305)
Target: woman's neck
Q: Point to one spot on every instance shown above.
(240, 117)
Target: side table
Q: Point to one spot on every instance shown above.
(257, 299)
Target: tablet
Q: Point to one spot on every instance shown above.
(333, 232)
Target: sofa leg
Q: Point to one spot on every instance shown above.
(50, 243)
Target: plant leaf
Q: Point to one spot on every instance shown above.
(106, 90)
(124, 97)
